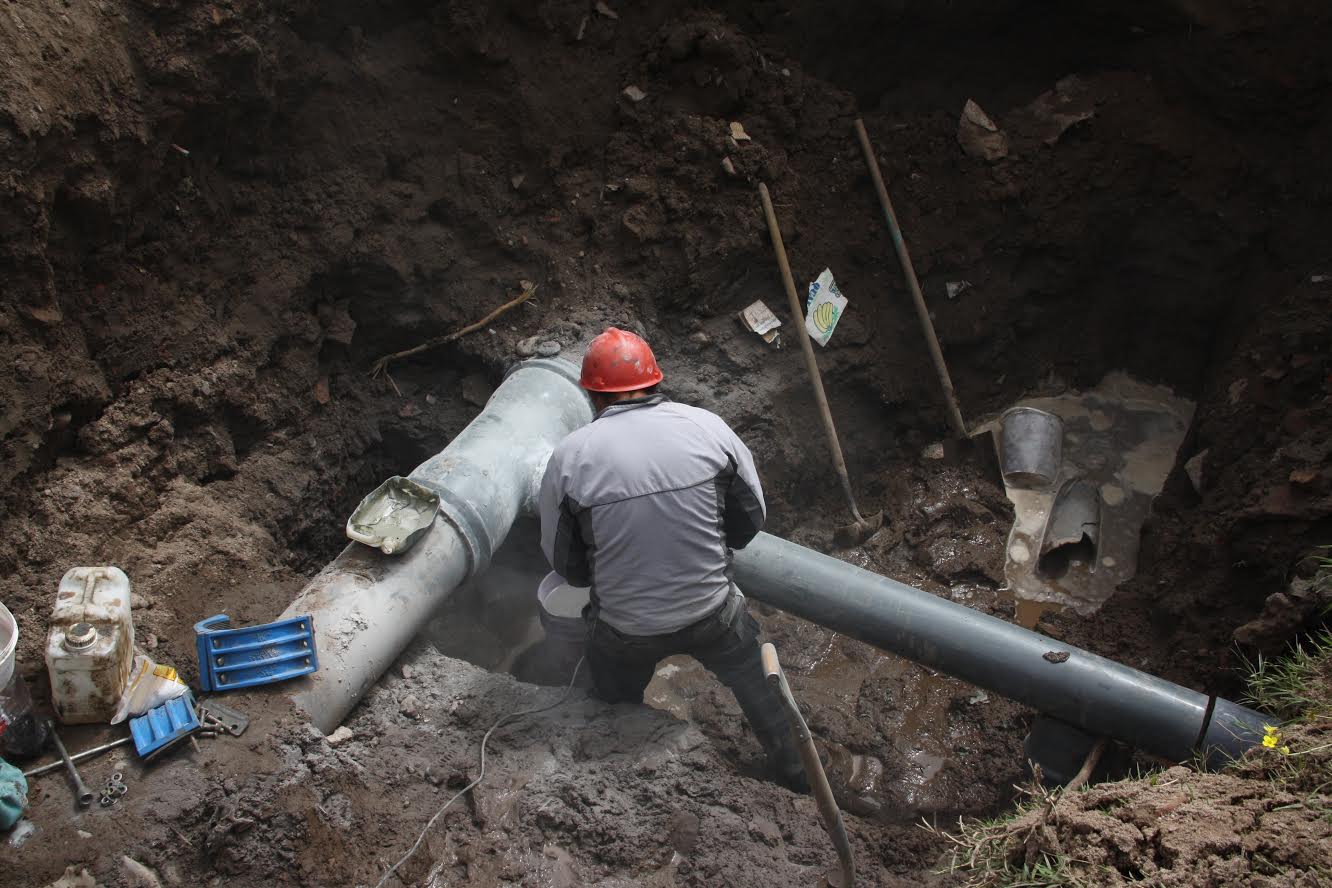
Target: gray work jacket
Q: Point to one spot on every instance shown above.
(644, 505)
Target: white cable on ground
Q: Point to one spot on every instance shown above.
(479, 777)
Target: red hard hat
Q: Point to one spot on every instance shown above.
(619, 361)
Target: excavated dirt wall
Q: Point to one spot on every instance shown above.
(216, 216)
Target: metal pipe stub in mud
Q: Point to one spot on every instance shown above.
(1031, 445)
(367, 606)
(1101, 696)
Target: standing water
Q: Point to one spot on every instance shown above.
(1122, 436)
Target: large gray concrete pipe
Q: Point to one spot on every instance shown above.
(1100, 696)
(368, 606)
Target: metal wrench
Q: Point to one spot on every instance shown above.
(81, 790)
(78, 757)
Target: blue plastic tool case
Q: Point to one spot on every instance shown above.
(255, 655)
(163, 726)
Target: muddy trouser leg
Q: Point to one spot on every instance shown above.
(733, 656)
(621, 666)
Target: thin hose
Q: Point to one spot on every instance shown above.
(504, 719)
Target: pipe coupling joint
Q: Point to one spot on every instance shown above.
(468, 521)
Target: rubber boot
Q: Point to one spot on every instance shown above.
(788, 769)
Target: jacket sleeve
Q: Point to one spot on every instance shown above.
(745, 510)
(561, 531)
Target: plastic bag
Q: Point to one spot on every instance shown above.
(13, 794)
(823, 308)
(150, 685)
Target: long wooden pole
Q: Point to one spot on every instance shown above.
(811, 363)
(909, 270)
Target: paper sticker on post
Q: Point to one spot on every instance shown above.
(824, 308)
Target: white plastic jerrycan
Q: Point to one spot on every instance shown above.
(90, 649)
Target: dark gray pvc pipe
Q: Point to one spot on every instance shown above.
(1101, 696)
(366, 606)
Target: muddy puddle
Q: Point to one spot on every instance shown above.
(1122, 437)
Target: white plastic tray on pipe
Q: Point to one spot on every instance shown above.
(367, 606)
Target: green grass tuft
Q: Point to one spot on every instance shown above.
(1291, 686)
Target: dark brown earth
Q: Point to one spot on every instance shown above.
(217, 215)
(1262, 823)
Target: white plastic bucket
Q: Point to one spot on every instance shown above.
(8, 641)
(561, 609)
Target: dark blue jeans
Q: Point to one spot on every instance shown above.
(726, 643)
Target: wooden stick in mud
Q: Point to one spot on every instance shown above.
(1088, 765)
(381, 364)
(917, 298)
(865, 528)
(818, 780)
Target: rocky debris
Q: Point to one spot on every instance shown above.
(1060, 109)
(409, 706)
(476, 389)
(321, 391)
(634, 94)
(340, 736)
(682, 829)
(538, 346)
(74, 877)
(139, 876)
(1286, 613)
(980, 136)
(765, 831)
(337, 323)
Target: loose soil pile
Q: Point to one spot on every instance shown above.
(218, 215)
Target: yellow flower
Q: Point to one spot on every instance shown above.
(1285, 750)
(1270, 741)
(1269, 730)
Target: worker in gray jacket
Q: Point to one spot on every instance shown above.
(644, 505)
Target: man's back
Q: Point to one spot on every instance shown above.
(642, 504)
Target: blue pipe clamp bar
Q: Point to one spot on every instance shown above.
(256, 655)
(164, 725)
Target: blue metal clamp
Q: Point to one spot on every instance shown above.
(256, 655)
(164, 726)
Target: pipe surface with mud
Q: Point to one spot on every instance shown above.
(367, 605)
(1098, 695)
